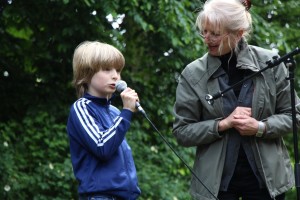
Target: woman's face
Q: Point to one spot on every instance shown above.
(218, 43)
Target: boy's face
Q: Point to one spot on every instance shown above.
(103, 83)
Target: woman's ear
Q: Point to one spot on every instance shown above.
(240, 34)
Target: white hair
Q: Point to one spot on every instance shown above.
(228, 16)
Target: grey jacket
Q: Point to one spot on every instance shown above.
(196, 121)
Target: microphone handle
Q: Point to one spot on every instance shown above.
(139, 108)
(217, 95)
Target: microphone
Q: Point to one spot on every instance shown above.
(120, 87)
(210, 98)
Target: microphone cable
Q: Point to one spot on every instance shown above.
(174, 151)
(120, 87)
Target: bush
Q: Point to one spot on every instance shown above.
(35, 162)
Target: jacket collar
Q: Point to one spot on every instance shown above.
(98, 100)
(244, 59)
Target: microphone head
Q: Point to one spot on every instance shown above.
(121, 85)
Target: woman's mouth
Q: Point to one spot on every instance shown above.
(213, 47)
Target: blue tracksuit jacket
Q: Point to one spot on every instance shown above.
(101, 158)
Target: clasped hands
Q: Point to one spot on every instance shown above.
(241, 120)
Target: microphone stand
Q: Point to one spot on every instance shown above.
(291, 65)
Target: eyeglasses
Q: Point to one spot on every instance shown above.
(213, 36)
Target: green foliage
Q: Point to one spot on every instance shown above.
(35, 161)
(157, 37)
(161, 174)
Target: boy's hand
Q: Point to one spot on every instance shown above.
(129, 98)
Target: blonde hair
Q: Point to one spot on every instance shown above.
(90, 57)
(228, 16)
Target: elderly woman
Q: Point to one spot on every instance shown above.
(239, 138)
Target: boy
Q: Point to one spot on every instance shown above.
(101, 158)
